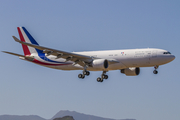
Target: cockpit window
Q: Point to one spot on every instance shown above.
(166, 53)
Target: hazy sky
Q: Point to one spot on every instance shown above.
(86, 25)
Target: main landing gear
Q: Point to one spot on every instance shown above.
(155, 71)
(84, 74)
(99, 79)
(103, 76)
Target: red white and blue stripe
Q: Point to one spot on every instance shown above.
(28, 51)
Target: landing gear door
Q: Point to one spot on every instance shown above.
(154, 53)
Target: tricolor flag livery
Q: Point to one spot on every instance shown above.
(128, 61)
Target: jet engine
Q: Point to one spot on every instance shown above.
(100, 64)
(131, 71)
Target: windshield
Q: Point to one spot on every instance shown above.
(166, 53)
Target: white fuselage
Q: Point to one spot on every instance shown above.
(126, 58)
(128, 61)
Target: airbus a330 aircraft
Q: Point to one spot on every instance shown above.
(127, 61)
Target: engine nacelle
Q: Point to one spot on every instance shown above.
(100, 64)
(131, 71)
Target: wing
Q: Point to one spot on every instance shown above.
(77, 58)
(82, 60)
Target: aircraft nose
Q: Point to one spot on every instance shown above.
(172, 57)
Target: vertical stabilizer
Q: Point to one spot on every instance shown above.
(26, 37)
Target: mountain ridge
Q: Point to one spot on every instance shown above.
(78, 116)
(21, 117)
(60, 114)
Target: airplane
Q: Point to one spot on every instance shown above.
(128, 61)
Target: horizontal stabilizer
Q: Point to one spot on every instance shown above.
(13, 54)
(16, 39)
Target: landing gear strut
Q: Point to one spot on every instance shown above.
(103, 76)
(155, 71)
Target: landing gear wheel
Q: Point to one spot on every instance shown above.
(99, 79)
(105, 76)
(155, 72)
(81, 76)
(86, 73)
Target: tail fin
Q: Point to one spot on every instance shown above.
(26, 37)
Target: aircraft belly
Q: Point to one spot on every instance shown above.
(65, 67)
(137, 62)
(116, 66)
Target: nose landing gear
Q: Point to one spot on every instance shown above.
(155, 71)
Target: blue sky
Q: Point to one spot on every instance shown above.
(85, 25)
